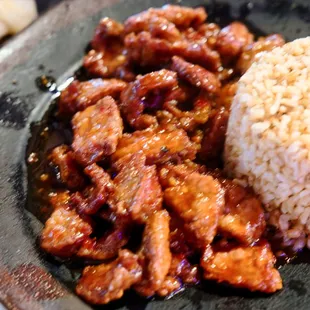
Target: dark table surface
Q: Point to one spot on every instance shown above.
(44, 5)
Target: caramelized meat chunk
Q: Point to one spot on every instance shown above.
(60, 199)
(108, 57)
(145, 50)
(156, 253)
(169, 286)
(188, 120)
(196, 199)
(80, 95)
(226, 95)
(178, 238)
(137, 190)
(97, 131)
(232, 39)
(243, 216)
(64, 233)
(214, 136)
(62, 158)
(93, 197)
(181, 268)
(182, 17)
(251, 268)
(105, 64)
(196, 75)
(106, 282)
(105, 247)
(133, 98)
(251, 51)
(159, 27)
(158, 146)
(108, 28)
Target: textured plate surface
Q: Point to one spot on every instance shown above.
(54, 45)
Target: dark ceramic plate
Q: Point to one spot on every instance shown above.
(54, 46)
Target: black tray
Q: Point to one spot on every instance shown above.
(54, 45)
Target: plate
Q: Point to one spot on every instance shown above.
(54, 46)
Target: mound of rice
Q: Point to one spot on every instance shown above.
(268, 137)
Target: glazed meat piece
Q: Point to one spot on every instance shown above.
(137, 190)
(209, 32)
(145, 50)
(64, 233)
(105, 247)
(80, 95)
(108, 58)
(187, 120)
(226, 95)
(133, 98)
(232, 40)
(106, 282)
(178, 238)
(214, 136)
(60, 199)
(97, 131)
(158, 146)
(68, 173)
(181, 268)
(196, 75)
(196, 199)
(94, 197)
(108, 28)
(251, 51)
(158, 27)
(182, 17)
(156, 253)
(251, 268)
(105, 64)
(170, 286)
(243, 216)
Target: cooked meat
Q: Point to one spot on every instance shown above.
(108, 28)
(105, 64)
(188, 120)
(159, 27)
(209, 33)
(251, 268)
(105, 247)
(182, 17)
(196, 75)
(144, 172)
(232, 40)
(169, 286)
(251, 51)
(80, 95)
(134, 96)
(64, 233)
(181, 268)
(60, 199)
(157, 145)
(213, 141)
(97, 131)
(196, 199)
(95, 196)
(137, 190)
(103, 283)
(145, 50)
(178, 238)
(68, 173)
(243, 216)
(226, 95)
(156, 253)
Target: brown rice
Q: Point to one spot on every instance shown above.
(268, 137)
